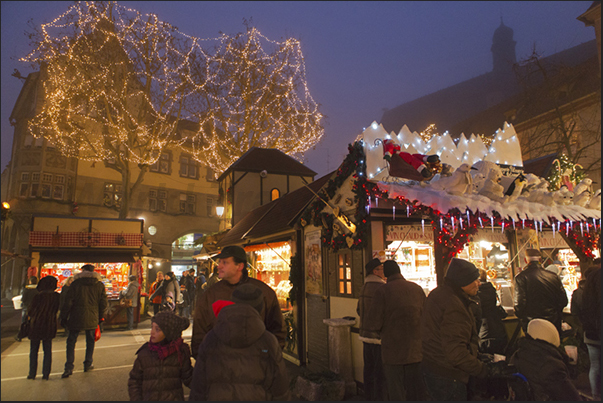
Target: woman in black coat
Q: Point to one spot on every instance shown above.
(492, 333)
(43, 316)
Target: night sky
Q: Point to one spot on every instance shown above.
(361, 57)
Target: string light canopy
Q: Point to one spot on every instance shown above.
(117, 84)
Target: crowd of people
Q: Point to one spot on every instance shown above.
(415, 347)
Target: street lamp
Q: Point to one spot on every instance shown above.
(220, 211)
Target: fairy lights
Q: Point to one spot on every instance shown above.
(118, 84)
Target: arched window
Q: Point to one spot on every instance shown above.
(275, 194)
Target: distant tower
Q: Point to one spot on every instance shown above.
(503, 49)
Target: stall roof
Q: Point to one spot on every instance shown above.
(79, 256)
(274, 217)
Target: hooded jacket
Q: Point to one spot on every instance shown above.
(367, 294)
(449, 334)
(43, 313)
(153, 379)
(239, 360)
(85, 303)
(539, 294)
(204, 318)
(545, 368)
(396, 316)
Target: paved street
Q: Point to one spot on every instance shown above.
(113, 358)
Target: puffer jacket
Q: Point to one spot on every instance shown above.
(43, 313)
(449, 335)
(153, 379)
(239, 360)
(367, 294)
(85, 302)
(204, 318)
(546, 370)
(539, 294)
(396, 316)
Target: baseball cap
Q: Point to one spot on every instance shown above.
(232, 251)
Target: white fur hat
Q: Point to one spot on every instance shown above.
(544, 330)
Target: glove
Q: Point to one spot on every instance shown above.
(499, 368)
(485, 357)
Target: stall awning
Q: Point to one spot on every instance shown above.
(86, 257)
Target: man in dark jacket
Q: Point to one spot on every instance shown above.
(232, 263)
(374, 379)
(396, 316)
(590, 317)
(538, 293)
(449, 334)
(28, 294)
(84, 308)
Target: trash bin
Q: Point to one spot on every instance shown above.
(17, 302)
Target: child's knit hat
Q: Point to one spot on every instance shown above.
(171, 324)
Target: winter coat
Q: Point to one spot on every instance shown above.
(539, 294)
(213, 279)
(131, 293)
(449, 335)
(367, 294)
(85, 302)
(545, 368)
(239, 360)
(396, 316)
(492, 333)
(591, 307)
(168, 286)
(155, 298)
(43, 315)
(189, 285)
(153, 379)
(204, 318)
(28, 294)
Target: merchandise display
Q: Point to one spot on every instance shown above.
(270, 264)
(114, 275)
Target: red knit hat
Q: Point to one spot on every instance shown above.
(219, 304)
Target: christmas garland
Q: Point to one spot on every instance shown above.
(354, 165)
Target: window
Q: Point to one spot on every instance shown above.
(59, 178)
(210, 175)
(46, 189)
(158, 200)
(210, 206)
(188, 167)
(112, 195)
(162, 165)
(24, 176)
(187, 203)
(34, 190)
(57, 192)
(35, 177)
(275, 194)
(46, 177)
(23, 190)
(344, 275)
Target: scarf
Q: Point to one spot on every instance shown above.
(165, 350)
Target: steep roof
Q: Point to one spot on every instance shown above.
(452, 105)
(274, 217)
(540, 166)
(569, 85)
(274, 161)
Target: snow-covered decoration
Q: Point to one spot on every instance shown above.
(595, 201)
(459, 183)
(505, 148)
(518, 209)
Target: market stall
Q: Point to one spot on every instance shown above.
(61, 246)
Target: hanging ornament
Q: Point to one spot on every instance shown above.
(492, 223)
(481, 224)
(423, 226)
(394, 212)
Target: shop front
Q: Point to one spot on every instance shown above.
(61, 246)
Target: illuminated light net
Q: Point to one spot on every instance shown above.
(118, 83)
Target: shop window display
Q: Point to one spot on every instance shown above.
(114, 275)
(412, 248)
(270, 264)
